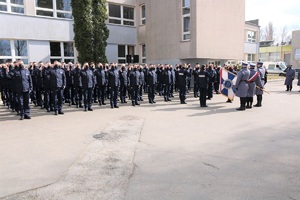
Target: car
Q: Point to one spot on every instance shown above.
(276, 68)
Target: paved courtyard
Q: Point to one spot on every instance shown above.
(163, 151)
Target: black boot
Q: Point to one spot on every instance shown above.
(242, 104)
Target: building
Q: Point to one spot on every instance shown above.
(275, 53)
(146, 31)
(252, 33)
(295, 52)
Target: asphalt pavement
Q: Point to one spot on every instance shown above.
(162, 151)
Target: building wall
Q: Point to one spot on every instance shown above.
(295, 45)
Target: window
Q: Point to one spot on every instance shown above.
(275, 57)
(11, 50)
(186, 16)
(297, 54)
(123, 51)
(143, 15)
(12, 6)
(144, 53)
(62, 51)
(251, 36)
(263, 57)
(119, 14)
(251, 57)
(54, 8)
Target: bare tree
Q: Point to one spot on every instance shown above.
(283, 34)
(269, 32)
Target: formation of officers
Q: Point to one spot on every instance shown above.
(51, 85)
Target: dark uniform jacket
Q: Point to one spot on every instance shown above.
(134, 78)
(87, 78)
(76, 77)
(113, 78)
(101, 78)
(46, 77)
(202, 78)
(182, 75)
(57, 78)
(123, 78)
(167, 77)
(22, 80)
(151, 77)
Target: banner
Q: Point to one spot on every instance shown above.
(227, 82)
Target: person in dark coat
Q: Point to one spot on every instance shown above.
(113, 84)
(57, 84)
(39, 85)
(253, 82)
(77, 85)
(88, 84)
(33, 71)
(134, 79)
(2, 94)
(101, 82)
(166, 80)
(212, 79)
(202, 81)
(217, 80)
(47, 87)
(151, 81)
(159, 74)
(69, 90)
(141, 83)
(123, 83)
(173, 81)
(290, 76)
(195, 74)
(189, 76)
(241, 86)
(298, 79)
(182, 83)
(23, 86)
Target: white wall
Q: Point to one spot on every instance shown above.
(122, 34)
(38, 51)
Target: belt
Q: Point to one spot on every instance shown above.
(262, 79)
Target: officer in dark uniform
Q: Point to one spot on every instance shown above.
(195, 74)
(69, 91)
(47, 87)
(145, 70)
(202, 81)
(113, 84)
(101, 81)
(167, 79)
(259, 93)
(23, 85)
(33, 72)
(134, 79)
(88, 84)
(123, 83)
(182, 83)
(39, 85)
(57, 83)
(151, 81)
(189, 76)
(2, 94)
(92, 67)
(141, 83)
(217, 80)
(173, 81)
(241, 85)
(212, 77)
(159, 74)
(77, 85)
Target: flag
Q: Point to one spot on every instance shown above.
(227, 82)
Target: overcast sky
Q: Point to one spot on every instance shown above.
(279, 12)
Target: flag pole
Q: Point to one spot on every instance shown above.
(263, 90)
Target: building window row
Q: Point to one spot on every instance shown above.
(11, 50)
(186, 20)
(144, 53)
(12, 6)
(62, 51)
(54, 8)
(297, 54)
(143, 15)
(251, 57)
(120, 14)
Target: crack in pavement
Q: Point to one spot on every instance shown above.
(103, 170)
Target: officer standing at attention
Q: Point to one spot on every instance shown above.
(195, 74)
(23, 86)
(57, 83)
(182, 81)
(134, 79)
(290, 76)
(242, 86)
(88, 84)
(167, 79)
(259, 93)
(113, 85)
(77, 85)
(123, 83)
(202, 81)
(254, 80)
(101, 83)
(151, 81)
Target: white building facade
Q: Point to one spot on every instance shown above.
(147, 31)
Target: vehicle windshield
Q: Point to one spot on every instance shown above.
(282, 66)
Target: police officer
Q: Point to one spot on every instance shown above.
(259, 93)
(23, 85)
(77, 85)
(254, 80)
(182, 83)
(167, 79)
(123, 83)
(69, 91)
(151, 81)
(47, 87)
(242, 86)
(173, 81)
(101, 81)
(195, 75)
(212, 77)
(57, 83)
(141, 82)
(290, 76)
(113, 84)
(134, 79)
(88, 84)
(39, 85)
(202, 81)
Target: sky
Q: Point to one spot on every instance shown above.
(280, 12)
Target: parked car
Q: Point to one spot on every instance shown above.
(276, 68)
